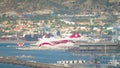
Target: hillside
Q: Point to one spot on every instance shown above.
(59, 6)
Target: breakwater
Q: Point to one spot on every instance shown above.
(13, 60)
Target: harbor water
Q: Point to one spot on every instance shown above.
(48, 56)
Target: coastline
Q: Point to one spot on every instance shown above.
(15, 41)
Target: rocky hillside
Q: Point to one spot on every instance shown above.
(64, 6)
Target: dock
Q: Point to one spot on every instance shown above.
(95, 46)
(13, 60)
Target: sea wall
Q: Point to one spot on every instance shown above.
(13, 60)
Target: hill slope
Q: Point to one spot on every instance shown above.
(65, 6)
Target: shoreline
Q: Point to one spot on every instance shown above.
(15, 41)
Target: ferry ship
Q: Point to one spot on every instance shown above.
(72, 42)
(64, 42)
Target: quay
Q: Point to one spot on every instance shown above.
(13, 60)
(95, 46)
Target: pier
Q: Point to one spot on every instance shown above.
(13, 60)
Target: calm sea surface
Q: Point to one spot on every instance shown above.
(44, 56)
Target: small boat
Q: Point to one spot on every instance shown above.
(113, 62)
(20, 44)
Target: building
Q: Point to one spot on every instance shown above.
(114, 1)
